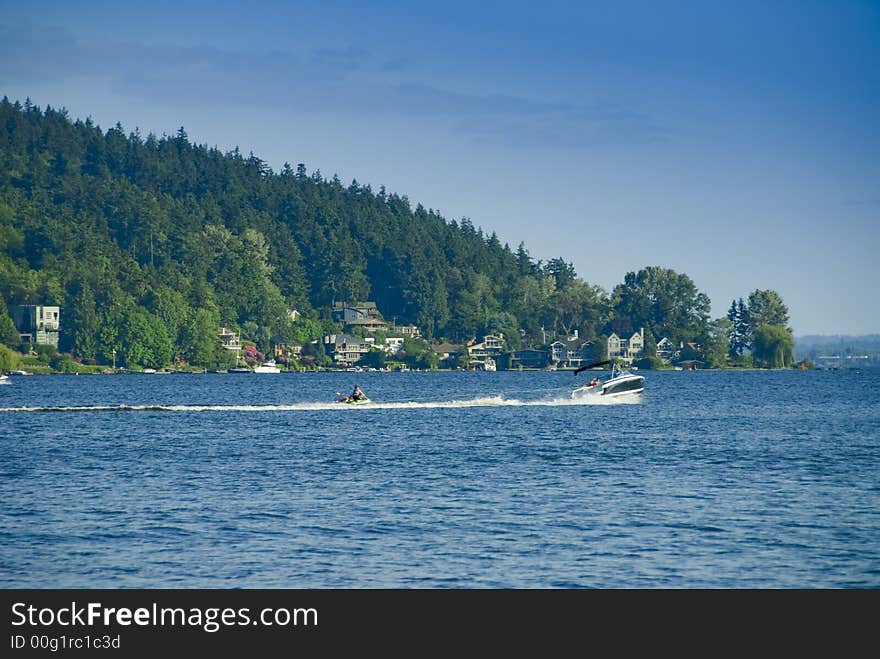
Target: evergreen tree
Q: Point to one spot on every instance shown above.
(740, 331)
(766, 308)
(744, 327)
(8, 333)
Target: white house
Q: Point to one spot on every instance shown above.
(626, 349)
(229, 339)
(393, 344)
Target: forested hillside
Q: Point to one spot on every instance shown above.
(161, 238)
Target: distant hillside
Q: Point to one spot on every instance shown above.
(838, 343)
(839, 350)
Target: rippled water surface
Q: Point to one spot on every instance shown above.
(714, 479)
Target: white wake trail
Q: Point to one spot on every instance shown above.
(485, 401)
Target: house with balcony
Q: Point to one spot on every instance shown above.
(345, 349)
(364, 315)
(37, 323)
(626, 349)
(666, 349)
(568, 352)
(231, 340)
(485, 351)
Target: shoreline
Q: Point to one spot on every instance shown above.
(121, 372)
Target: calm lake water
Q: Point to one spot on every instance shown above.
(448, 480)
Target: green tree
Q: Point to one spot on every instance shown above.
(9, 359)
(144, 340)
(716, 345)
(80, 324)
(418, 354)
(8, 333)
(199, 341)
(773, 346)
(561, 271)
(650, 348)
(314, 355)
(649, 363)
(376, 358)
(664, 302)
(739, 339)
(171, 308)
(766, 308)
(65, 364)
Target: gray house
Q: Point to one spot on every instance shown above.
(346, 349)
(37, 323)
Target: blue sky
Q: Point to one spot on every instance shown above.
(736, 142)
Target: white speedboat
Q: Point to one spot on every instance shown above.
(267, 367)
(621, 383)
(4, 379)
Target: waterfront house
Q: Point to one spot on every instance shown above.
(488, 349)
(568, 352)
(529, 358)
(37, 323)
(230, 339)
(448, 354)
(665, 349)
(623, 349)
(345, 349)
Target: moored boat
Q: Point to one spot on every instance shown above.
(267, 367)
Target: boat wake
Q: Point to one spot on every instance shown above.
(485, 401)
